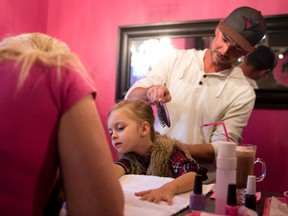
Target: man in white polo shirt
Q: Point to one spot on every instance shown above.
(200, 87)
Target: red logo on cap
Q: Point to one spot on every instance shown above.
(250, 24)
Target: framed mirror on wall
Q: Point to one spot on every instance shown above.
(140, 47)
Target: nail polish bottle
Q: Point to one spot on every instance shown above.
(250, 195)
(231, 208)
(197, 199)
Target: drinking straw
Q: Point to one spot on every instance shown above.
(223, 125)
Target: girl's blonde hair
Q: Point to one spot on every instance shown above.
(30, 48)
(138, 110)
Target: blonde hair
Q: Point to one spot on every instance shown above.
(138, 110)
(30, 48)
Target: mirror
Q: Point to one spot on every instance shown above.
(142, 46)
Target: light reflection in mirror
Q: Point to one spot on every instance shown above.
(146, 53)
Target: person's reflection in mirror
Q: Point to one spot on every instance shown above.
(258, 64)
(203, 87)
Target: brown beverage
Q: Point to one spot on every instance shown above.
(245, 164)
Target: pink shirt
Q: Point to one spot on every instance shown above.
(29, 120)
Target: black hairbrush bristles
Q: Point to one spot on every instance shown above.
(163, 115)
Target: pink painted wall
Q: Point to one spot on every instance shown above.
(268, 130)
(90, 27)
(22, 16)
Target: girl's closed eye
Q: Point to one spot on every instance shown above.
(120, 128)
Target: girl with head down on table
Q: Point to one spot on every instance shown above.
(131, 127)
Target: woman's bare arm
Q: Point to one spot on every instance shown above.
(90, 184)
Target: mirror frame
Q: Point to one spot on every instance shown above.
(265, 98)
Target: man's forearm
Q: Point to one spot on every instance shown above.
(138, 93)
(202, 153)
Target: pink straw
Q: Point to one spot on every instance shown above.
(224, 127)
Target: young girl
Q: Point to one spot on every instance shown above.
(130, 124)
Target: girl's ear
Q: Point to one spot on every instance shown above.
(145, 129)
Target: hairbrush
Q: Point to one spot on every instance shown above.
(163, 115)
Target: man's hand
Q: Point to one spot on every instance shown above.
(158, 93)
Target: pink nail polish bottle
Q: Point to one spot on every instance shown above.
(231, 208)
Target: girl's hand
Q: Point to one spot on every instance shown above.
(163, 193)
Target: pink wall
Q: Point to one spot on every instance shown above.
(267, 129)
(90, 27)
(22, 16)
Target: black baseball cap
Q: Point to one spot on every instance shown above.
(245, 25)
(265, 56)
